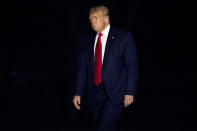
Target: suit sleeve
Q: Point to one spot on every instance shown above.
(131, 61)
(81, 71)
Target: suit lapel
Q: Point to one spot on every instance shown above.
(91, 50)
(110, 40)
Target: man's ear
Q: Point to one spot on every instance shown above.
(106, 19)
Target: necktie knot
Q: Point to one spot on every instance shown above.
(100, 34)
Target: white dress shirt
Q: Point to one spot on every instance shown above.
(103, 40)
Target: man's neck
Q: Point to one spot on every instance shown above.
(103, 28)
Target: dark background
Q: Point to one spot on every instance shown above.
(38, 51)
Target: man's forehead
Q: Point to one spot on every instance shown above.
(98, 13)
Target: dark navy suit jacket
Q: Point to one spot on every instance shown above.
(119, 68)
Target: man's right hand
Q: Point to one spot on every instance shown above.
(77, 101)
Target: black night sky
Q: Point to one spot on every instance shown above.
(38, 52)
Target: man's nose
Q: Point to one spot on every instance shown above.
(93, 20)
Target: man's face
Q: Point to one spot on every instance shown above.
(98, 21)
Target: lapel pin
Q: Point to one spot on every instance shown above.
(112, 37)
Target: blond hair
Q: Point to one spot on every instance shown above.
(101, 8)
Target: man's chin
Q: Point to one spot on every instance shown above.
(95, 29)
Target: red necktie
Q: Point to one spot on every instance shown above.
(98, 61)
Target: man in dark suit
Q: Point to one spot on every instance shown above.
(108, 68)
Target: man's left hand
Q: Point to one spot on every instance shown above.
(128, 99)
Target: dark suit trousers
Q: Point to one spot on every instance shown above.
(105, 112)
